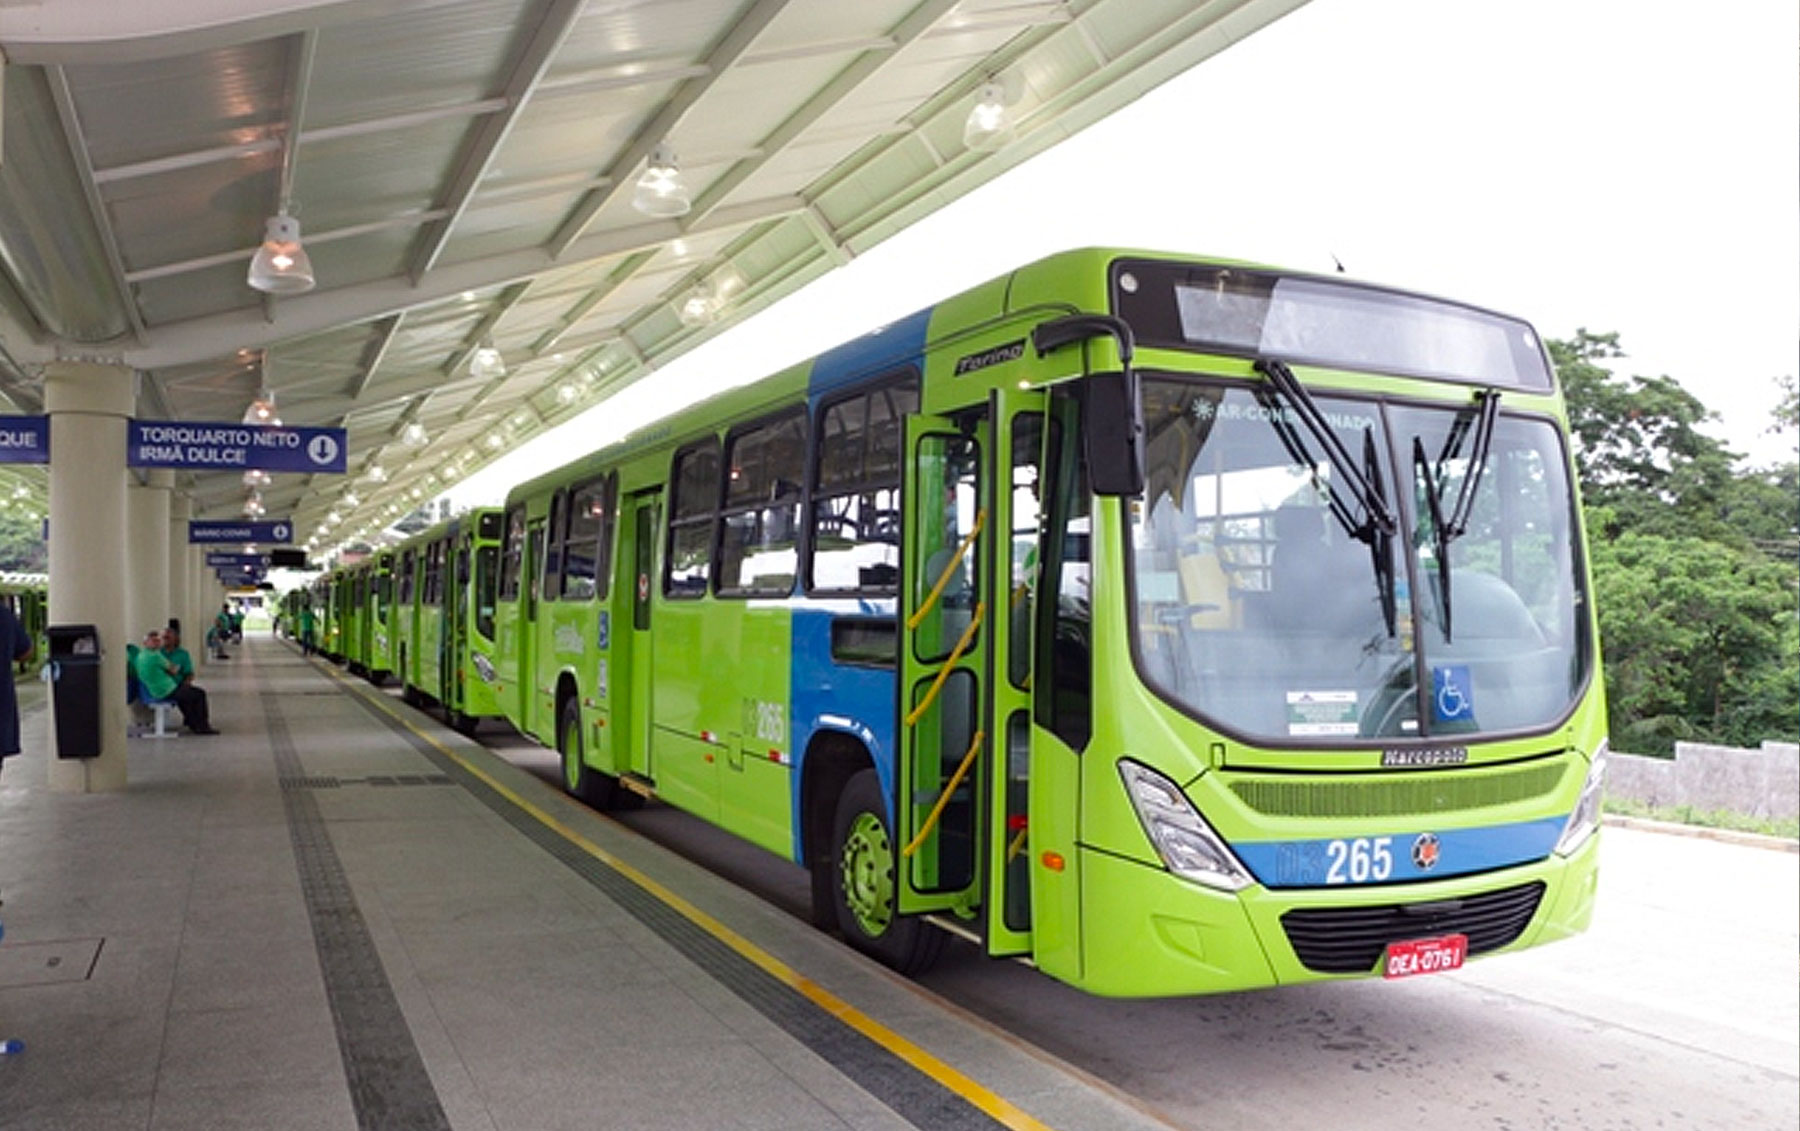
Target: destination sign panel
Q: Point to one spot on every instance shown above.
(237, 561)
(218, 533)
(236, 447)
(24, 439)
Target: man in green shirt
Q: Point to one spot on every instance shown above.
(160, 679)
(177, 655)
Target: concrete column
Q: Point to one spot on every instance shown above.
(89, 404)
(205, 597)
(181, 602)
(147, 536)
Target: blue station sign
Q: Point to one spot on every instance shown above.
(224, 533)
(237, 561)
(24, 439)
(236, 447)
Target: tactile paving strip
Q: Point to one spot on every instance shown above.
(910, 1093)
(389, 1087)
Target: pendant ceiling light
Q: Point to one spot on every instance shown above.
(662, 191)
(486, 363)
(281, 266)
(989, 126)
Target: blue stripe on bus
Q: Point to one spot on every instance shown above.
(1337, 862)
(894, 344)
(826, 696)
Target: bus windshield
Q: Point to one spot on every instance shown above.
(1267, 611)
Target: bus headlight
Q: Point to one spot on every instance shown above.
(1187, 844)
(1586, 817)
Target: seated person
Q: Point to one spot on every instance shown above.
(158, 676)
(177, 655)
(220, 632)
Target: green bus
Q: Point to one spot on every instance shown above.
(368, 635)
(1178, 625)
(330, 598)
(444, 617)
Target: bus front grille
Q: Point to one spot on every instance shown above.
(1351, 940)
(1442, 791)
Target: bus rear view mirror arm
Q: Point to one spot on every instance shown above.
(1112, 412)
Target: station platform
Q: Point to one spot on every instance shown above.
(340, 914)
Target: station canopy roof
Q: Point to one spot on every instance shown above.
(463, 173)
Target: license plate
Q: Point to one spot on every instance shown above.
(1425, 956)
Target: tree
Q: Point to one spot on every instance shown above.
(1640, 451)
(1787, 410)
(22, 545)
(1693, 560)
(1699, 642)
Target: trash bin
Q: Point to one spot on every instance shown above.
(75, 689)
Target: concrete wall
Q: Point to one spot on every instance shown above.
(1757, 783)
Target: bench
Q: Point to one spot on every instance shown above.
(160, 707)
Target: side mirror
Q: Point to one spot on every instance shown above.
(1112, 412)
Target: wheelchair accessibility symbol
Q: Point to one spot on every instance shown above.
(1452, 694)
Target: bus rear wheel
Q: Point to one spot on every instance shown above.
(864, 886)
(580, 779)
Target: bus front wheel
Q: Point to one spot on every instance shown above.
(864, 860)
(580, 779)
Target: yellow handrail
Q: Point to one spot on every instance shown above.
(943, 580)
(937, 810)
(956, 653)
(1017, 846)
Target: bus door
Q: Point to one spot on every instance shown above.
(456, 628)
(945, 636)
(532, 580)
(1014, 494)
(636, 577)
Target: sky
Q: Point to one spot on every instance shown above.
(1618, 165)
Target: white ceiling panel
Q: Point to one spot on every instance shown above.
(463, 171)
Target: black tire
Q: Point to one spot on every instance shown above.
(578, 778)
(863, 865)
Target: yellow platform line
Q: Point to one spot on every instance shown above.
(974, 1093)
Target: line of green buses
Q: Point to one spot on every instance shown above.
(1179, 625)
(422, 613)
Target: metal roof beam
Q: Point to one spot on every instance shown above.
(385, 331)
(731, 47)
(916, 24)
(70, 121)
(555, 20)
(199, 339)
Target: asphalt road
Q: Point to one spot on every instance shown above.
(1680, 1008)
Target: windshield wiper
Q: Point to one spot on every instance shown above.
(1440, 537)
(1447, 530)
(1381, 547)
(1486, 411)
(1378, 517)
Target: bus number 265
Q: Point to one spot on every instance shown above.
(1360, 861)
(770, 723)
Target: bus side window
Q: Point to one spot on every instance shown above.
(855, 543)
(1065, 629)
(695, 481)
(1027, 449)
